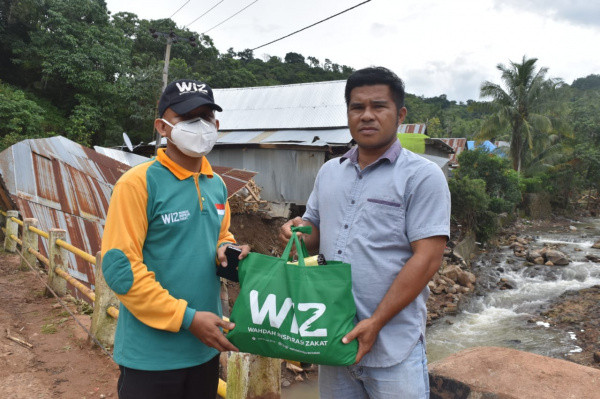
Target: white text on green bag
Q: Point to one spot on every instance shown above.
(276, 318)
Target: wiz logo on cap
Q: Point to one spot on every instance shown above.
(185, 95)
(188, 87)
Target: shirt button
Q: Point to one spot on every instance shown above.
(352, 202)
(339, 251)
(345, 226)
(360, 176)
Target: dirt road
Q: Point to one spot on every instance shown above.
(61, 363)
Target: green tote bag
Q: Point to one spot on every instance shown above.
(294, 312)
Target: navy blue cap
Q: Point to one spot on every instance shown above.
(185, 95)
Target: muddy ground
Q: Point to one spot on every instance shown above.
(60, 363)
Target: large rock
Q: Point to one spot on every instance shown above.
(502, 373)
(556, 257)
(460, 276)
(533, 255)
(593, 258)
(596, 245)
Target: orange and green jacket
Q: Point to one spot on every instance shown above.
(163, 227)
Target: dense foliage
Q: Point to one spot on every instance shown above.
(484, 186)
(93, 76)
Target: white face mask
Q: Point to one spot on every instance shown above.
(195, 138)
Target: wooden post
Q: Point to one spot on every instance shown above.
(224, 298)
(12, 227)
(103, 325)
(251, 376)
(30, 240)
(58, 258)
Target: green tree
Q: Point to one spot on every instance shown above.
(501, 182)
(21, 118)
(521, 108)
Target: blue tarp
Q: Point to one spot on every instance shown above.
(488, 146)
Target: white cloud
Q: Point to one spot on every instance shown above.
(578, 12)
(438, 47)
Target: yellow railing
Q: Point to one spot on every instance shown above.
(39, 232)
(76, 251)
(17, 221)
(112, 311)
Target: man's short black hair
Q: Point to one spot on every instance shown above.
(376, 76)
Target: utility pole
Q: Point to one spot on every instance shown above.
(171, 38)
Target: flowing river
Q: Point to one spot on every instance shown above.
(502, 317)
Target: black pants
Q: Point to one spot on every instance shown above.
(196, 382)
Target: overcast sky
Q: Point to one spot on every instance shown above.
(436, 46)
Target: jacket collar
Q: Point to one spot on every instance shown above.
(179, 171)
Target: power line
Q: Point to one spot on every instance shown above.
(310, 26)
(179, 9)
(222, 22)
(204, 13)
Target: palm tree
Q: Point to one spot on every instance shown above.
(520, 110)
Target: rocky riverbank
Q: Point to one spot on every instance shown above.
(576, 313)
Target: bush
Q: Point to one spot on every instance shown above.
(501, 181)
(471, 206)
(500, 205)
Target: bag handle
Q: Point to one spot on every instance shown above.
(299, 242)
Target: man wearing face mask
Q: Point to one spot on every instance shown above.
(167, 223)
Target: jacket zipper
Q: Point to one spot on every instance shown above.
(199, 193)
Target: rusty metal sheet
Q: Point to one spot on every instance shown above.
(419, 128)
(237, 173)
(458, 145)
(67, 186)
(63, 185)
(235, 179)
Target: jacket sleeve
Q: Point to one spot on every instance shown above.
(225, 236)
(122, 260)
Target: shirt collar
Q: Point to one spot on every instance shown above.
(390, 154)
(179, 171)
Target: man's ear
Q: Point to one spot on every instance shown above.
(161, 127)
(217, 123)
(401, 115)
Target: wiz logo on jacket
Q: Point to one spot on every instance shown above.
(174, 217)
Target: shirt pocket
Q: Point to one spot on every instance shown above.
(381, 219)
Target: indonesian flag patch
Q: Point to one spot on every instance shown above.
(220, 209)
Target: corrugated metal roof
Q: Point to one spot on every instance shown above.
(128, 158)
(235, 179)
(439, 161)
(419, 128)
(297, 106)
(458, 145)
(65, 185)
(308, 137)
(233, 185)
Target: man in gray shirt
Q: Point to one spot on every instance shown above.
(386, 211)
